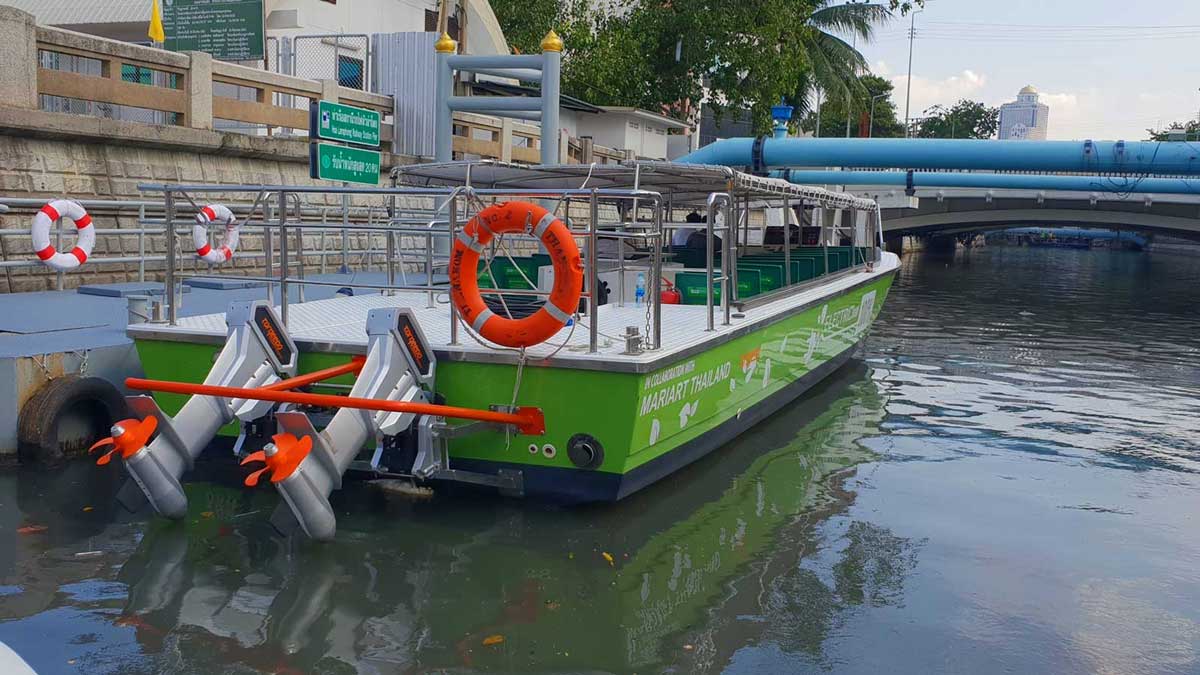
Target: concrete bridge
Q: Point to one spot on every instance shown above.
(955, 210)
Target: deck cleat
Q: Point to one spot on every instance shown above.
(281, 456)
(128, 436)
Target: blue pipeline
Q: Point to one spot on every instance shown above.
(995, 181)
(1132, 157)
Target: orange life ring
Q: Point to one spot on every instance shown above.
(512, 217)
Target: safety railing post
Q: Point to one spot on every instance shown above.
(727, 291)
(590, 266)
(452, 221)
(657, 272)
(711, 224)
(283, 259)
(142, 243)
(787, 240)
(169, 275)
(59, 276)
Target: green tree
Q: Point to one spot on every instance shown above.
(835, 65)
(965, 119)
(667, 55)
(833, 112)
(1190, 129)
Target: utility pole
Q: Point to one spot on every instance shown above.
(912, 34)
(871, 124)
(817, 131)
(849, 108)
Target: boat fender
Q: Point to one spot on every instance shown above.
(95, 400)
(215, 213)
(40, 234)
(516, 217)
(585, 451)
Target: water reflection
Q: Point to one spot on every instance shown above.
(1007, 484)
(459, 582)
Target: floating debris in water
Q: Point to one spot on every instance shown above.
(403, 488)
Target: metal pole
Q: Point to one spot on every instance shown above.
(817, 131)
(551, 63)
(453, 227)
(283, 259)
(912, 34)
(871, 123)
(142, 243)
(299, 248)
(391, 260)
(787, 242)
(593, 306)
(268, 251)
(169, 275)
(345, 233)
(726, 304)
(443, 131)
(657, 272)
(58, 239)
(824, 240)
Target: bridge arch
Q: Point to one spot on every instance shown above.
(947, 221)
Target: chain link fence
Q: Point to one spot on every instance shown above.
(344, 58)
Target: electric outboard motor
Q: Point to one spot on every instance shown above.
(257, 353)
(306, 466)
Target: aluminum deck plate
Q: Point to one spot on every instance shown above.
(338, 325)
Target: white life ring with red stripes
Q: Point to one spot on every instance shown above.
(40, 233)
(215, 213)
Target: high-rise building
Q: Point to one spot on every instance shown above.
(1024, 118)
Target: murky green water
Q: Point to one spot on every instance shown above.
(1005, 482)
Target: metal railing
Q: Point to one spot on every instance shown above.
(457, 205)
(151, 230)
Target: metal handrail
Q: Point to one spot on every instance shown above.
(710, 205)
(288, 217)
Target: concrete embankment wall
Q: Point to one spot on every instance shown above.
(45, 167)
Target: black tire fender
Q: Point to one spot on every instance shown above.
(38, 423)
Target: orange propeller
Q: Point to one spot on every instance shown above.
(128, 436)
(282, 455)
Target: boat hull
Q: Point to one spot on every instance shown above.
(647, 425)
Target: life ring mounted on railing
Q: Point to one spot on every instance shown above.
(515, 217)
(40, 234)
(215, 213)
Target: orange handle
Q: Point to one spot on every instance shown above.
(355, 366)
(528, 420)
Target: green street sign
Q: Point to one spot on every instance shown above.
(230, 30)
(329, 121)
(343, 163)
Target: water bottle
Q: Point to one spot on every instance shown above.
(639, 294)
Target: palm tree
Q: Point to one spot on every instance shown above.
(835, 65)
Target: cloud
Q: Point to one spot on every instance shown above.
(927, 92)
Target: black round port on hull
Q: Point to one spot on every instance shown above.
(585, 451)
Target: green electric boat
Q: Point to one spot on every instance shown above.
(700, 315)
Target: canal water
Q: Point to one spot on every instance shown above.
(1004, 481)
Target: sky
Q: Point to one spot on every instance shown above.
(1108, 69)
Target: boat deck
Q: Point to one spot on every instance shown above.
(338, 325)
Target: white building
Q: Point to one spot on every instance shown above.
(643, 132)
(1024, 118)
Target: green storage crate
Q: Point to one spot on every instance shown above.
(691, 286)
(770, 273)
